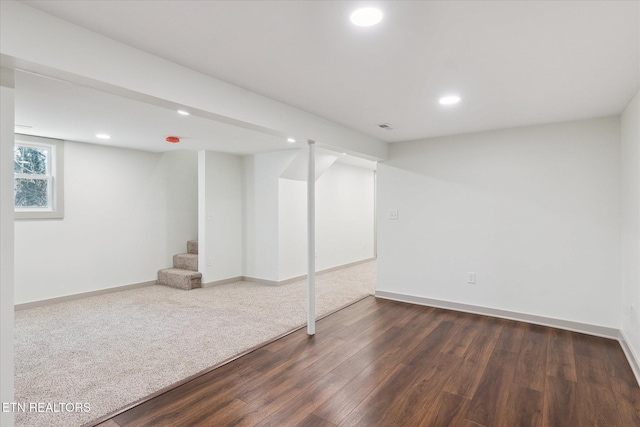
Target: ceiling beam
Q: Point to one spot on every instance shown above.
(34, 41)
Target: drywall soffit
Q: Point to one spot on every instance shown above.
(297, 168)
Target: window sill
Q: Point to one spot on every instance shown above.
(38, 215)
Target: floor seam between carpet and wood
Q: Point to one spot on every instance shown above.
(113, 414)
(110, 350)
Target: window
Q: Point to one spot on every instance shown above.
(38, 178)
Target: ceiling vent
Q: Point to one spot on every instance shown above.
(385, 126)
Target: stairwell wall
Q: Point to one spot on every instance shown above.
(275, 217)
(219, 216)
(261, 173)
(126, 213)
(344, 220)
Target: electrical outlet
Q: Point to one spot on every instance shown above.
(471, 278)
(393, 214)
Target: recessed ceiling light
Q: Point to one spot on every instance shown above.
(344, 154)
(366, 17)
(103, 136)
(291, 140)
(183, 113)
(449, 100)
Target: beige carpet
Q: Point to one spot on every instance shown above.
(114, 349)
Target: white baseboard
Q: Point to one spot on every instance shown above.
(327, 270)
(44, 302)
(222, 282)
(632, 357)
(585, 328)
(261, 281)
(286, 281)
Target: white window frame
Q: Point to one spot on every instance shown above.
(55, 166)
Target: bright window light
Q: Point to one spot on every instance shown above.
(38, 186)
(449, 100)
(103, 136)
(366, 17)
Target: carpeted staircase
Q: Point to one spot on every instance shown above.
(184, 274)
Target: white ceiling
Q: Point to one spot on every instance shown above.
(57, 109)
(513, 63)
(52, 108)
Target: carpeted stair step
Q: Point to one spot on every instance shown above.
(186, 262)
(192, 247)
(178, 278)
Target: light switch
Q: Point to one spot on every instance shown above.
(393, 214)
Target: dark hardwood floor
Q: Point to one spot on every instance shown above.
(384, 363)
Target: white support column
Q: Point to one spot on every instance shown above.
(202, 215)
(311, 240)
(6, 242)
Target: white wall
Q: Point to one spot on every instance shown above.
(344, 220)
(292, 228)
(178, 188)
(220, 216)
(126, 213)
(630, 159)
(6, 242)
(260, 216)
(534, 212)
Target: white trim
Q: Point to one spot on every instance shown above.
(45, 302)
(222, 282)
(304, 276)
(261, 281)
(585, 328)
(55, 174)
(57, 300)
(326, 270)
(632, 357)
